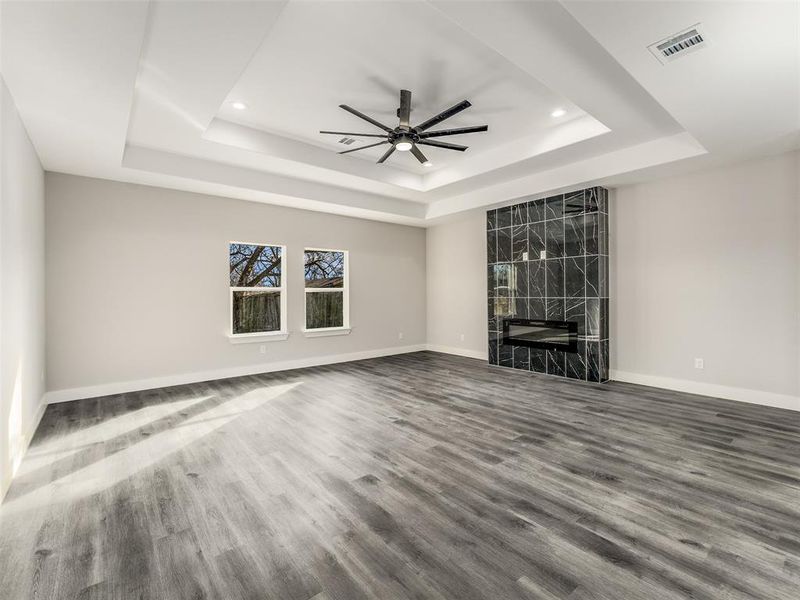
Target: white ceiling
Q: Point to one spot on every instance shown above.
(142, 92)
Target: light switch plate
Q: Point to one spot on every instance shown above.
(543, 254)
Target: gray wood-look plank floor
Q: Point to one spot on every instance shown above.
(416, 476)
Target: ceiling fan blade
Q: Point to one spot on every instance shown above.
(404, 112)
(380, 135)
(418, 154)
(364, 147)
(443, 145)
(386, 155)
(445, 114)
(361, 115)
(457, 131)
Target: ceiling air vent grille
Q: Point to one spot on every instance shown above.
(682, 43)
(347, 141)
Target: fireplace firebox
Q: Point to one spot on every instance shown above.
(548, 335)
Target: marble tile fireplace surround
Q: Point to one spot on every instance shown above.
(548, 261)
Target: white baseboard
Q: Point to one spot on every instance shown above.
(108, 389)
(30, 431)
(710, 389)
(458, 351)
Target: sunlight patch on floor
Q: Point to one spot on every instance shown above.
(109, 471)
(61, 447)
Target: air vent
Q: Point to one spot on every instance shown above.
(682, 43)
(347, 141)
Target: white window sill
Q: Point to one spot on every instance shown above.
(326, 331)
(254, 338)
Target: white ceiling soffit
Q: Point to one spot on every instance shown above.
(140, 91)
(740, 92)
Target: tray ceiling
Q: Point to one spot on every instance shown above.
(143, 91)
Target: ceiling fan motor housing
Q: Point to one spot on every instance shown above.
(404, 137)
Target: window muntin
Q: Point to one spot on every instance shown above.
(326, 289)
(256, 279)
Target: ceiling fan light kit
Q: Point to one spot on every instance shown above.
(406, 138)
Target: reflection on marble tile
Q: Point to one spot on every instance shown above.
(604, 318)
(554, 238)
(592, 276)
(556, 363)
(491, 219)
(537, 278)
(536, 308)
(593, 316)
(574, 236)
(573, 203)
(504, 307)
(522, 359)
(491, 246)
(503, 279)
(574, 277)
(576, 362)
(536, 210)
(555, 309)
(536, 242)
(591, 233)
(603, 207)
(519, 242)
(554, 207)
(504, 217)
(555, 277)
(575, 310)
(604, 368)
(538, 360)
(504, 245)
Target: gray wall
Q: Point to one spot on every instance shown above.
(22, 289)
(457, 287)
(706, 266)
(138, 284)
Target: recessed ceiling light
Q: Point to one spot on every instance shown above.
(427, 163)
(559, 112)
(239, 105)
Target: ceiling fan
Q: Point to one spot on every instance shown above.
(406, 138)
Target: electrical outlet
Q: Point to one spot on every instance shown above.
(698, 363)
(262, 348)
(542, 254)
(524, 256)
(400, 335)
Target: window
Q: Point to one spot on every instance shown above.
(327, 301)
(258, 300)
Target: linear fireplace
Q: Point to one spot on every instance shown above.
(547, 335)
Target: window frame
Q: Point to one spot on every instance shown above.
(257, 336)
(345, 328)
